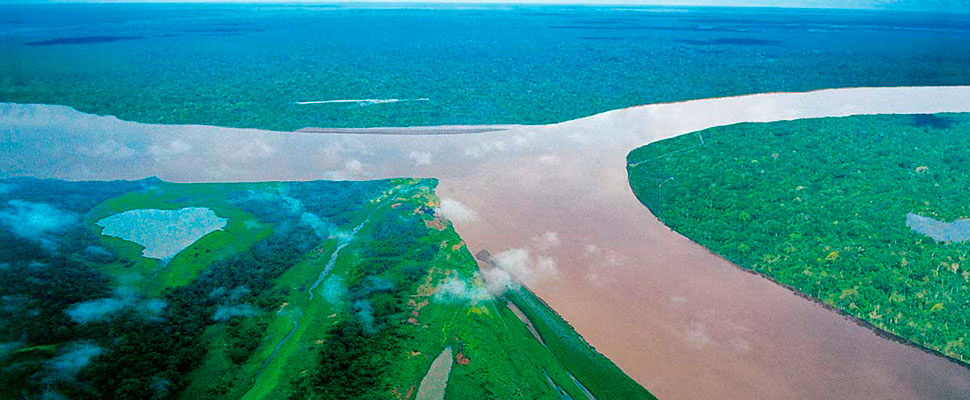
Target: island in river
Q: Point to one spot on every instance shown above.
(232, 314)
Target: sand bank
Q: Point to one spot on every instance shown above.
(413, 130)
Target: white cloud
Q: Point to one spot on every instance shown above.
(36, 221)
(455, 211)
(525, 267)
(125, 298)
(252, 150)
(600, 262)
(225, 313)
(456, 289)
(549, 159)
(696, 335)
(353, 168)
(546, 241)
(485, 148)
(109, 149)
(354, 165)
(95, 310)
(66, 366)
(497, 281)
(420, 158)
(167, 151)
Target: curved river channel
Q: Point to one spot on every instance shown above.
(682, 321)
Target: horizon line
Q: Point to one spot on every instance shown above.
(891, 7)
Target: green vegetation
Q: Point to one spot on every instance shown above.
(821, 206)
(315, 290)
(596, 372)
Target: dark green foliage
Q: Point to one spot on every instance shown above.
(173, 348)
(143, 358)
(351, 364)
(73, 196)
(320, 196)
(821, 205)
(355, 357)
(33, 296)
(244, 339)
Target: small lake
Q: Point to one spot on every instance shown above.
(163, 233)
(956, 231)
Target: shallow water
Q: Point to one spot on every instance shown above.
(956, 231)
(163, 233)
(683, 322)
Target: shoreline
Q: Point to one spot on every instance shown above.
(882, 333)
(449, 129)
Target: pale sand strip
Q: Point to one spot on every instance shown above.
(435, 382)
(413, 130)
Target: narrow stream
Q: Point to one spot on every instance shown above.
(333, 257)
(279, 345)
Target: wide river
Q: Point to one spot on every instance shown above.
(682, 321)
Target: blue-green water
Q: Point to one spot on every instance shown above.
(247, 66)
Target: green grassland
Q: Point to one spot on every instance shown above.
(821, 205)
(322, 290)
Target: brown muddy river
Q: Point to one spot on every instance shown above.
(683, 322)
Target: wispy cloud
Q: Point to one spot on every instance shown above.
(457, 289)
(110, 148)
(166, 151)
(352, 169)
(36, 221)
(252, 149)
(455, 211)
(696, 335)
(231, 303)
(124, 299)
(420, 158)
(225, 313)
(515, 266)
(546, 241)
(600, 263)
(66, 366)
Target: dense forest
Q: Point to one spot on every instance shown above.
(822, 205)
(322, 290)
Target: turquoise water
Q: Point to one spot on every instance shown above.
(248, 66)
